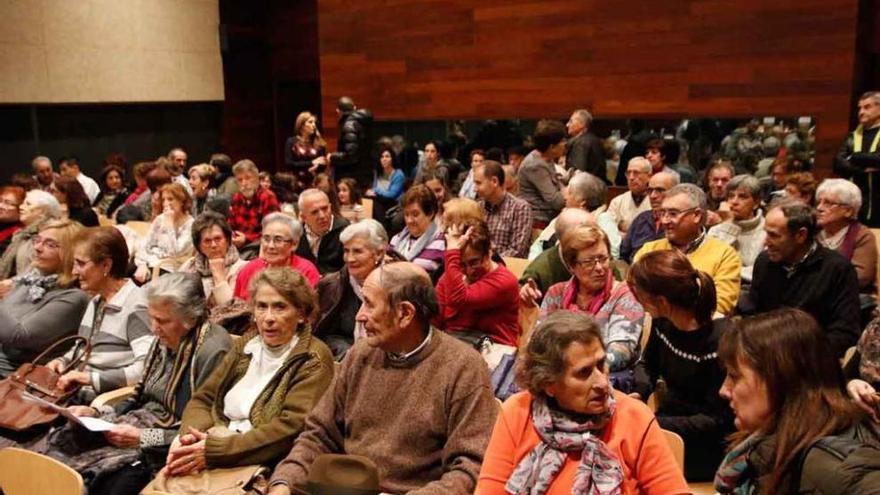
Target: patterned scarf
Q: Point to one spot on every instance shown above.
(37, 284)
(599, 472)
(569, 299)
(188, 347)
(733, 476)
(201, 266)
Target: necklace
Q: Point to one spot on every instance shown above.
(686, 355)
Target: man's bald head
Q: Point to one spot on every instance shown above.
(658, 184)
(570, 218)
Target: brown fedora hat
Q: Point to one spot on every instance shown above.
(338, 474)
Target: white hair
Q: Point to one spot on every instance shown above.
(38, 197)
(37, 160)
(845, 191)
(641, 162)
(183, 291)
(288, 221)
(367, 229)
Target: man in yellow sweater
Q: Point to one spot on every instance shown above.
(683, 216)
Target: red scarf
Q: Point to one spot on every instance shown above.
(569, 298)
(8, 231)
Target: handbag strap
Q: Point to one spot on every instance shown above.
(58, 343)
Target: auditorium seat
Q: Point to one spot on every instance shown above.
(23, 472)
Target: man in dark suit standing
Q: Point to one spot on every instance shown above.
(584, 150)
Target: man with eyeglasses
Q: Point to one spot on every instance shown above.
(647, 226)
(320, 244)
(682, 215)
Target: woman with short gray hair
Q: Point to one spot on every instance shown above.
(278, 242)
(185, 352)
(364, 246)
(837, 210)
(744, 228)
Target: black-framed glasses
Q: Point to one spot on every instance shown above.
(592, 261)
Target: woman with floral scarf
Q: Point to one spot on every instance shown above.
(43, 304)
(570, 432)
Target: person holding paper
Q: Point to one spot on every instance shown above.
(186, 350)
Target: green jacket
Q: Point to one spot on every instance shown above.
(277, 416)
(547, 269)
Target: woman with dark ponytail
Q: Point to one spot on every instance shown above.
(683, 349)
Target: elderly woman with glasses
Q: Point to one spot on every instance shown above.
(365, 244)
(216, 260)
(570, 432)
(837, 210)
(278, 243)
(592, 290)
(38, 208)
(115, 322)
(185, 351)
(477, 295)
(44, 304)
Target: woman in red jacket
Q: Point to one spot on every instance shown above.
(476, 294)
(570, 432)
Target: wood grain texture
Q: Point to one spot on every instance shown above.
(431, 59)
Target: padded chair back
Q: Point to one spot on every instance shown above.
(23, 472)
(676, 445)
(516, 265)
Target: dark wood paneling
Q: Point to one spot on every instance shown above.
(416, 59)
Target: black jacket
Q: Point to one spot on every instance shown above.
(869, 183)
(353, 155)
(824, 285)
(329, 251)
(585, 153)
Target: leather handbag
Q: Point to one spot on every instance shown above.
(244, 480)
(16, 412)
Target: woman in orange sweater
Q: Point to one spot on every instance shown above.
(570, 432)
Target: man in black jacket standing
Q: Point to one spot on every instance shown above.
(859, 158)
(352, 157)
(584, 150)
(795, 271)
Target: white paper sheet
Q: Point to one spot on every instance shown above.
(92, 424)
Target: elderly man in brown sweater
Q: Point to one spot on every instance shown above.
(411, 398)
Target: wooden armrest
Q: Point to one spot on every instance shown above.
(113, 397)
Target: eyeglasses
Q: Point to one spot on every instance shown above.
(49, 243)
(673, 213)
(277, 240)
(591, 262)
(656, 190)
(474, 263)
(8, 202)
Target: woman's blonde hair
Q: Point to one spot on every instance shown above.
(67, 231)
(580, 238)
(462, 210)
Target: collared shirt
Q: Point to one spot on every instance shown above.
(315, 239)
(246, 214)
(400, 358)
(510, 223)
(694, 244)
(791, 269)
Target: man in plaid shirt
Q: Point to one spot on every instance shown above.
(509, 218)
(249, 205)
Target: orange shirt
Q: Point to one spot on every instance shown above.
(632, 434)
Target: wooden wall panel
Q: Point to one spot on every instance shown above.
(416, 59)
